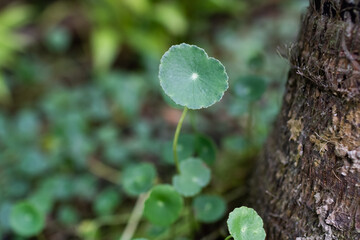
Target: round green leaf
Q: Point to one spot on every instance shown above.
(250, 87)
(138, 178)
(26, 220)
(209, 208)
(59, 186)
(42, 201)
(185, 186)
(58, 39)
(106, 201)
(245, 224)
(191, 78)
(196, 170)
(194, 176)
(68, 215)
(33, 162)
(205, 149)
(163, 206)
(85, 186)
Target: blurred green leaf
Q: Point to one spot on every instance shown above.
(42, 201)
(26, 220)
(33, 162)
(171, 17)
(205, 149)
(236, 144)
(58, 39)
(209, 208)
(105, 43)
(107, 201)
(15, 16)
(5, 210)
(27, 125)
(125, 92)
(85, 186)
(250, 87)
(137, 6)
(87, 230)
(59, 186)
(19, 188)
(68, 215)
(137, 179)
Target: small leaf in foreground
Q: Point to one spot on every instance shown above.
(191, 78)
(209, 208)
(163, 206)
(26, 220)
(245, 224)
(138, 178)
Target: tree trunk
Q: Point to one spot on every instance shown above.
(307, 185)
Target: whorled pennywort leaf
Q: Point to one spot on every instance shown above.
(245, 224)
(194, 175)
(185, 186)
(163, 206)
(209, 208)
(191, 78)
(138, 178)
(26, 220)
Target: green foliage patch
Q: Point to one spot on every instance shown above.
(85, 127)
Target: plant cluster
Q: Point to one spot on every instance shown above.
(194, 80)
(85, 129)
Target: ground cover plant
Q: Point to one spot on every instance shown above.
(99, 141)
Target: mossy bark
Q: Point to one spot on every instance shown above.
(307, 185)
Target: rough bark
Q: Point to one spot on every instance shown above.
(307, 185)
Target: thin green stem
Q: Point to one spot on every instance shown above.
(228, 237)
(176, 137)
(134, 218)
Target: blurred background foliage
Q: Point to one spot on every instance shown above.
(80, 97)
